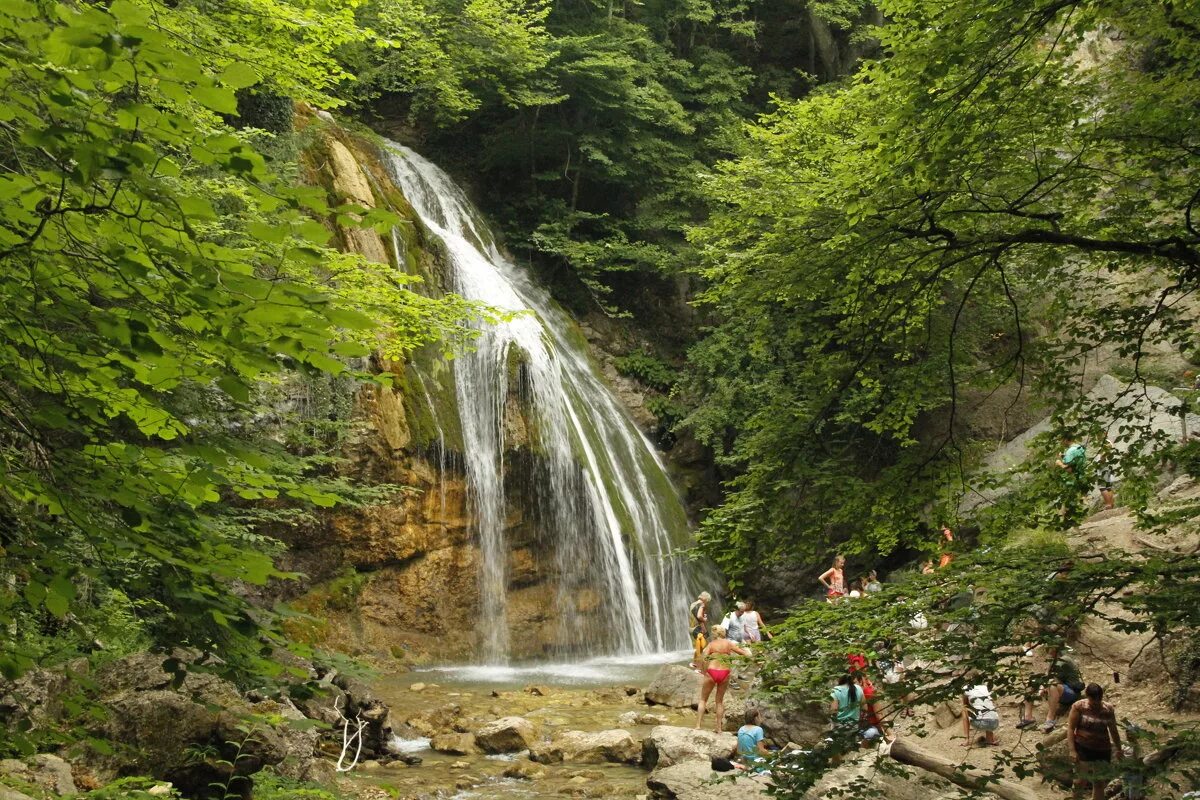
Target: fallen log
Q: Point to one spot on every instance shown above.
(962, 775)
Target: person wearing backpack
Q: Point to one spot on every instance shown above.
(698, 614)
(979, 713)
(1073, 462)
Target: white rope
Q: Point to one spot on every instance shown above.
(348, 737)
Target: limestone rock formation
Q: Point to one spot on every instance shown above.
(163, 720)
(48, 772)
(695, 780)
(455, 744)
(506, 735)
(668, 745)
(674, 686)
(589, 747)
(803, 724)
(863, 775)
(631, 718)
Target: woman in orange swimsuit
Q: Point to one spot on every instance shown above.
(716, 674)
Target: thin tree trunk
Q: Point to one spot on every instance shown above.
(966, 777)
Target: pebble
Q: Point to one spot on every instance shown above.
(417, 687)
(459, 765)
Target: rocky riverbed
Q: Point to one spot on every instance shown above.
(576, 730)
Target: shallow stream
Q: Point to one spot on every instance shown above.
(590, 695)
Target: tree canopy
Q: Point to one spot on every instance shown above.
(1007, 189)
(162, 287)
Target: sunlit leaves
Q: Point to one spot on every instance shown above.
(160, 282)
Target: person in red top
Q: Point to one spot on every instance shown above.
(870, 717)
(946, 543)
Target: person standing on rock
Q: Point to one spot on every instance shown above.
(1073, 464)
(834, 579)
(753, 625)
(845, 707)
(734, 623)
(979, 712)
(1106, 478)
(698, 613)
(947, 547)
(1092, 739)
(716, 674)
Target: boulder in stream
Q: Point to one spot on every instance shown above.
(588, 747)
(455, 744)
(675, 686)
(631, 718)
(668, 745)
(506, 735)
(695, 780)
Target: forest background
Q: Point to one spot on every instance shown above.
(849, 227)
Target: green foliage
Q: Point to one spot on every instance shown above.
(450, 57)
(649, 369)
(1028, 597)
(593, 168)
(130, 788)
(883, 254)
(163, 288)
(270, 786)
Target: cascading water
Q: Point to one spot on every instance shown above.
(601, 489)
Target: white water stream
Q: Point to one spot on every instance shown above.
(602, 491)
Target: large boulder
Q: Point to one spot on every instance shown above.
(506, 735)
(46, 771)
(803, 724)
(186, 726)
(695, 780)
(674, 686)
(668, 745)
(587, 747)
(455, 744)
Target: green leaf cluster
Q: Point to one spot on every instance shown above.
(1006, 190)
(178, 344)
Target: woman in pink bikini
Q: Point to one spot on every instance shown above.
(716, 674)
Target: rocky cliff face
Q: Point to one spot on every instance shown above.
(400, 578)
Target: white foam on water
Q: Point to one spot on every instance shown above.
(596, 670)
(402, 746)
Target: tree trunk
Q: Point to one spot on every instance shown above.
(966, 777)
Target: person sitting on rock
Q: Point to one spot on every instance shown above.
(873, 585)
(751, 750)
(1060, 695)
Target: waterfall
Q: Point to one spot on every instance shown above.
(602, 492)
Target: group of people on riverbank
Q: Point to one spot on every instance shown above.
(712, 647)
(858, 710)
